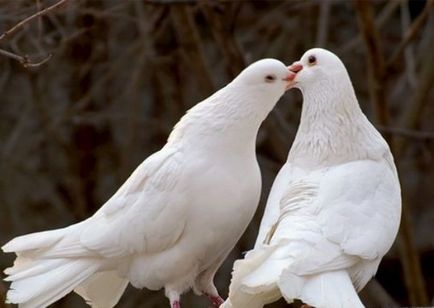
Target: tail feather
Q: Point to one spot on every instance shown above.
(33, 241)
(266, 274)
(325, 290)
(20, 263)
(39, 278)
(244, 291)
(102, 290)
(27, 269)
(45, 288)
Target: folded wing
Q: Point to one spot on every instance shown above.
(329, 222)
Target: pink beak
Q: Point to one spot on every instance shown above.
(294, 68)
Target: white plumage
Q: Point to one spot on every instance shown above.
(334, 208)
(173, 222)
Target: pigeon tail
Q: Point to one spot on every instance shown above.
(325, 290)
(39, 283)
(51, 264)
(251, 286)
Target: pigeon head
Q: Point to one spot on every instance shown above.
(267, 76)
(317, 68)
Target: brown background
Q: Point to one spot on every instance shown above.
(123, 72)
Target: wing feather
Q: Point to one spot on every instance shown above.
(335, 217)
(145, 215)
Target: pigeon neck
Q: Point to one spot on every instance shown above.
(227, 120)
(333, 130)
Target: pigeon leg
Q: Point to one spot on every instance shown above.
(305, 306)
(216, 300)
(174, 298)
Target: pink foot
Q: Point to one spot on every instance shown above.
(176, 304)
(215, 300)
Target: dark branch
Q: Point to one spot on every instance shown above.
(30, 18)
(25, 60)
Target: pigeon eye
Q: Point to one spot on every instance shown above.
(311, 60)
(270, 78)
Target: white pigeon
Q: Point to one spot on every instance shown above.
(334, 208)
(174, 220)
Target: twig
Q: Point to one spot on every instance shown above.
(25, 60)
(409, 36)
(30, 18)
(11, 55)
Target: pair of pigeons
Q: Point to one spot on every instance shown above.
(332, 214)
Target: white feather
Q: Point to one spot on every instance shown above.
(174, 220)
(103, 289)
(334, 208)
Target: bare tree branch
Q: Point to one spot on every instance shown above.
(25, 60)
(30, 18)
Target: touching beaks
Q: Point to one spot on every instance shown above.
(295, 67)
(289, 79)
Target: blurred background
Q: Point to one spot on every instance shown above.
(90, 88)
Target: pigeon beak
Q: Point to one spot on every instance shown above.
(289, 80)
(294, 68)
